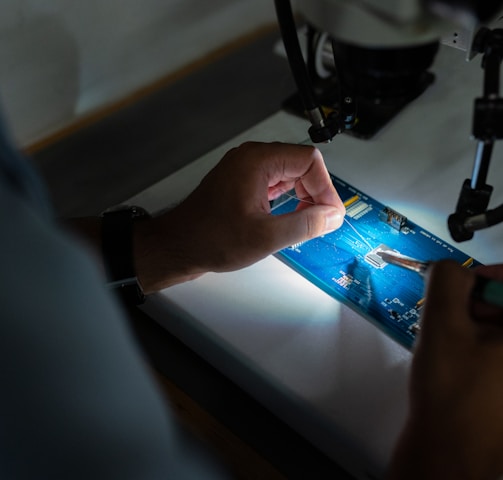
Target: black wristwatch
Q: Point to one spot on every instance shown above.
(117, 247)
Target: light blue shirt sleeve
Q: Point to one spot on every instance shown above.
(76, 401)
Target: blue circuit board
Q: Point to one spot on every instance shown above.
(345, 263)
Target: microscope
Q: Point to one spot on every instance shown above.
(364, 60)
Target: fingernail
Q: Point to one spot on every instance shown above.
(333, 219)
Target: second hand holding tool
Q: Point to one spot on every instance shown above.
(485, 289)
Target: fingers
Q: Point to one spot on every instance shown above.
(231, 204)
(301, 164)
(303, 225)
(324, 211)
(491, 271)
(447, 305)
(303, 167)
(451, 304)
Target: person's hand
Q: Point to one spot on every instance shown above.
(455, 424)
(226, 223)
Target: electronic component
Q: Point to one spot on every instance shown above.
(374, 259)
(358, 209)
(393, 218)
(345, 263)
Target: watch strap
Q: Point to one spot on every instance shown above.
(117, 246)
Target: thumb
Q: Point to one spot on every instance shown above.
(305, 224)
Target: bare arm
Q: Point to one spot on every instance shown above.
(226, 223)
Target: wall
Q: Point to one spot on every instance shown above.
(61, 59)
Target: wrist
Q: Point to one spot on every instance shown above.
(161, 254)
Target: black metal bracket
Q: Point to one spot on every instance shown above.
(471, 210)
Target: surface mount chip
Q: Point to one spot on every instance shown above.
(375, 260)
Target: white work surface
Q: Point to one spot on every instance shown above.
(320, 367)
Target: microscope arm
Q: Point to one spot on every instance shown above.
(471, 210)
